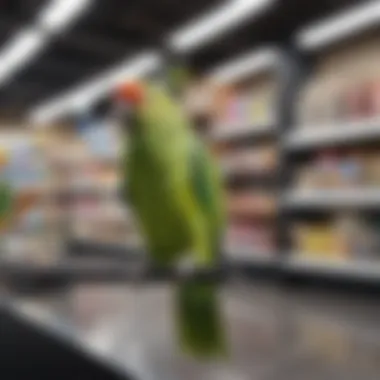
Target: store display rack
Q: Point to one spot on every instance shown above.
(296, 140)
(316, 136)
(348, 126)
(332, 199)
(294, 69)
(297, 65)
(336, 269)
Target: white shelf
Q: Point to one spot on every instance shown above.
(355, 269)
(330, 134)
(249, 256)
(245, 66)
(339, 27)
(332, 198)
(238, 130)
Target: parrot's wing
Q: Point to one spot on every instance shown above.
(200, 318)
(207, 188)
(200, 179)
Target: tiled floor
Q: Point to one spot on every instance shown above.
(274, 334)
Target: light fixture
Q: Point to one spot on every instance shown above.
(340, 26)
(59, 14)
(213, 24)
(84, 95)
(28, 43)
(245, 65)
(23, 47)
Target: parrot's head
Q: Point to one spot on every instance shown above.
(145, 107)
(130, 98)
(151, 101)
(130, 94)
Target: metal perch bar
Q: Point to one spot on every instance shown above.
(134, 273)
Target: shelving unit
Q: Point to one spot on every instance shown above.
(244, 134)
(85, 193)
(295, 142)
(252, 259)
(346, 120)
(365, 270)
(313, 137)
(29, 235)
(295, 139)
(290, 66)
(333, 199)
(230, 132)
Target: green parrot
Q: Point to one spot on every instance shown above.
(175, 191)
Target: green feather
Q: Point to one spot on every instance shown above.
(199, 319)
(178, 79)
(206, 181)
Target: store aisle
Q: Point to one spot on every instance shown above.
(275, 334)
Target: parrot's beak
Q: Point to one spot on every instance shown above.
(123, 114)
(131, 93)
(121, 111)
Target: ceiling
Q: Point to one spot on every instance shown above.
(112, 29)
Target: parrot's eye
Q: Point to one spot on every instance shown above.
(123, 114)
(122, 110)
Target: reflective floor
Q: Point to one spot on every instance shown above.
(275, 334)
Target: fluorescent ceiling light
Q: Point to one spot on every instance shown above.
(340, 26)
(58, 14)
(213, 24)
(23, 47)
(243, 66)
(86, 94)
(28, 43)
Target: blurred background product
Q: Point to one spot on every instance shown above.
(349, 168)
(344, 87)
(346, 237)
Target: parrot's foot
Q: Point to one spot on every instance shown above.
(186, 267)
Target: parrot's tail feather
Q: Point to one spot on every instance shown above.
(199, 318)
